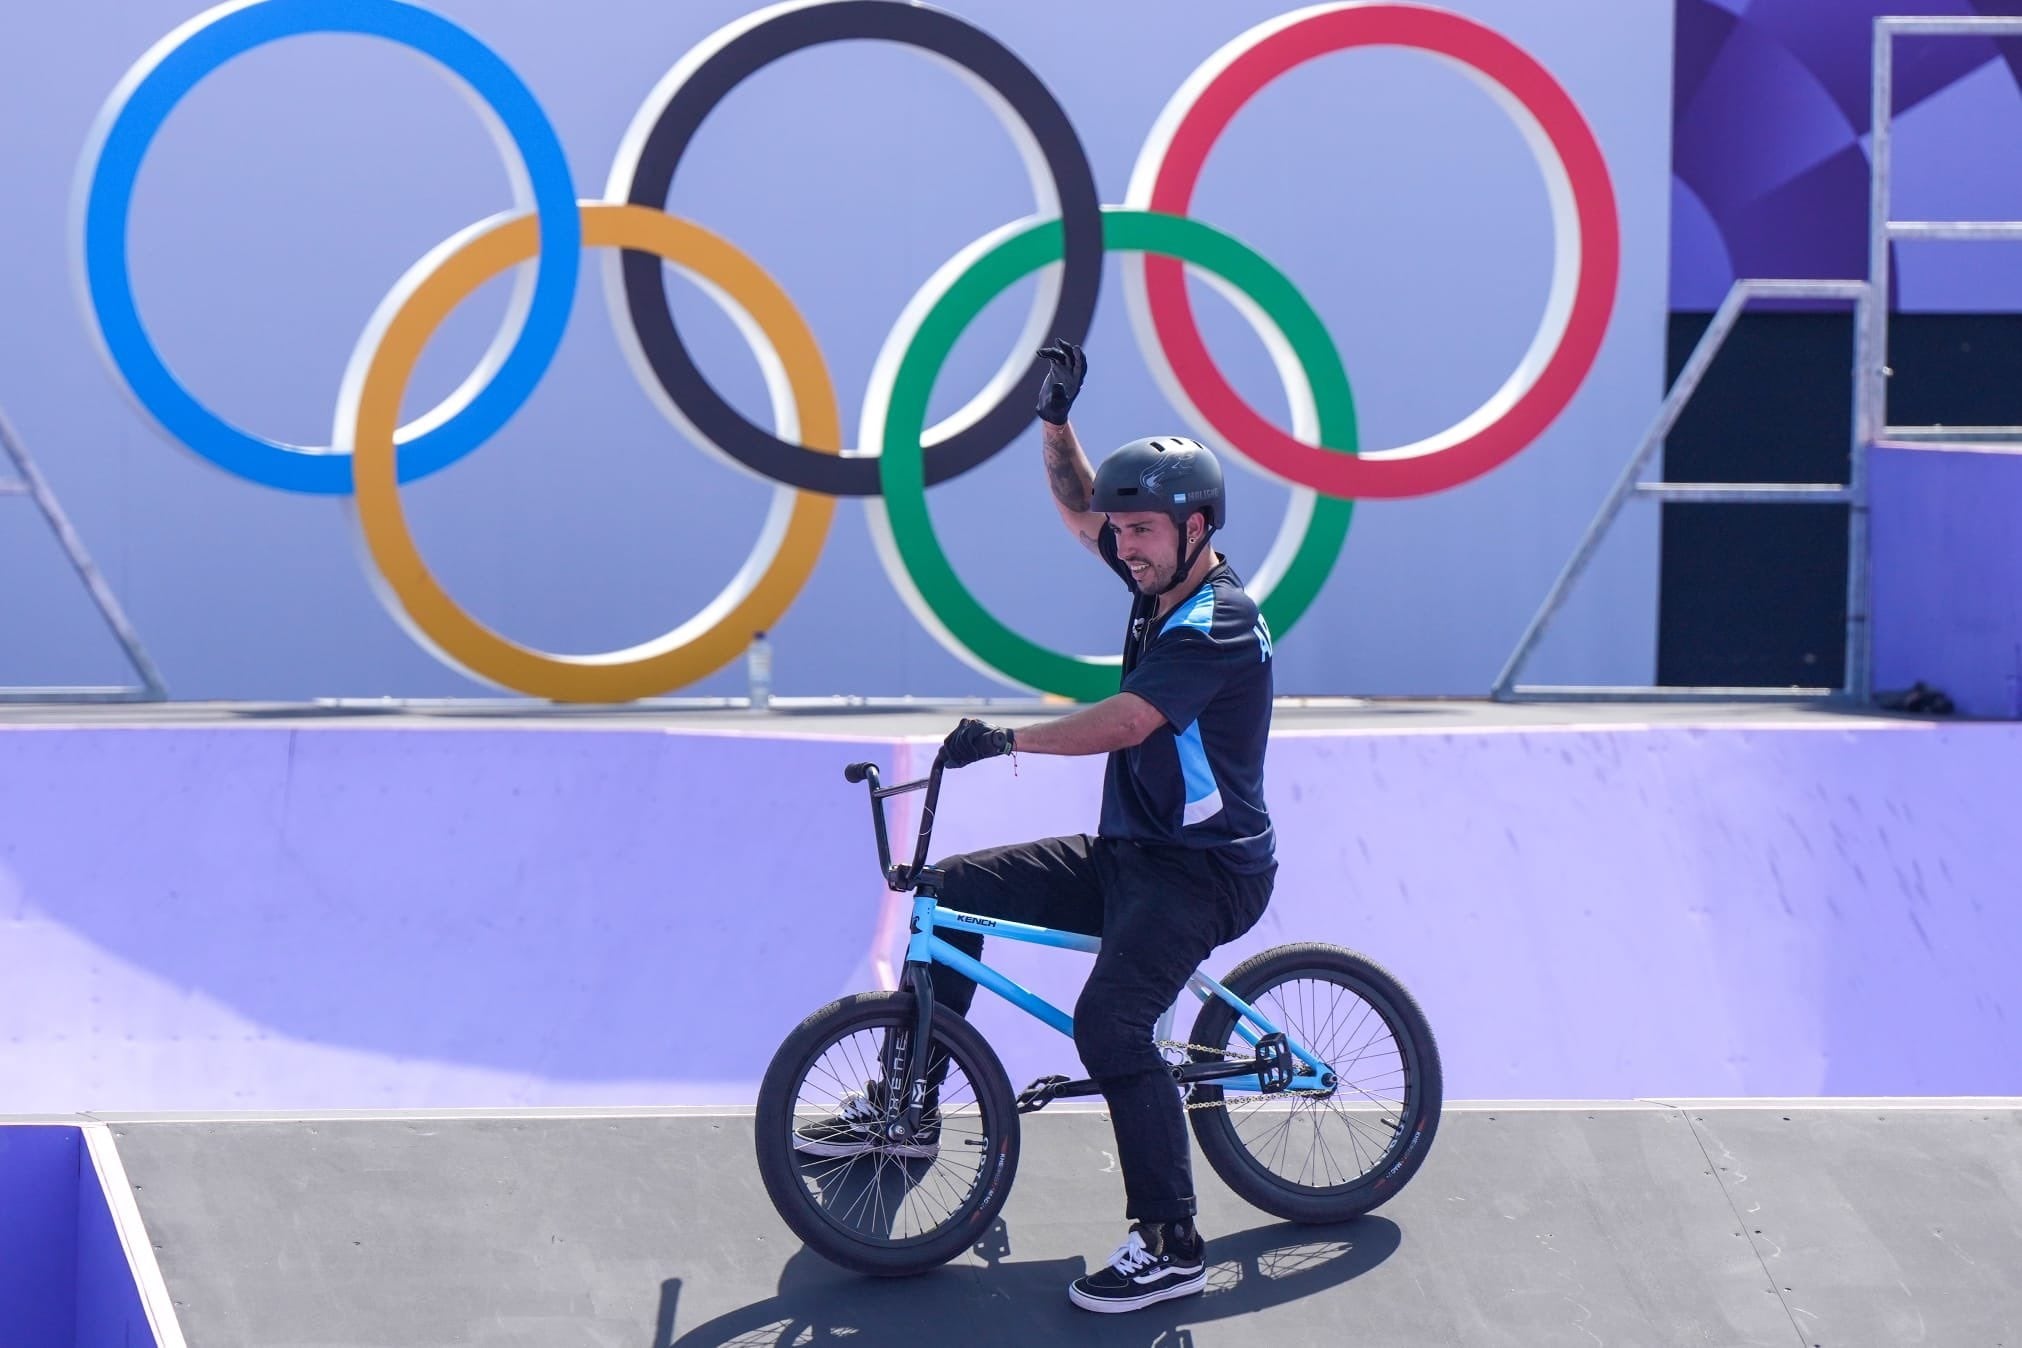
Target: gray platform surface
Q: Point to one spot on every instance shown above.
(1852, 1224)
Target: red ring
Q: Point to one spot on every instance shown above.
(1493, 55)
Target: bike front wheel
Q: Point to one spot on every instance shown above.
(1321, 1155)
(857, 1195)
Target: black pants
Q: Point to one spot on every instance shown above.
(1160, 912)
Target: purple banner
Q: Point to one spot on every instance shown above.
(1772, 113)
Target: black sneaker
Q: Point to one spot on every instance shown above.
(858, 1126)
(1160, 1261)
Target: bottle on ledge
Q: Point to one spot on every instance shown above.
(758, 667)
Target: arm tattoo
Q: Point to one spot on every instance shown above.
(1067, 469)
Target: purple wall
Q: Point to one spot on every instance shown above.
(1947, 550)
(109, 1309)
(267, 918)
(39, 1167)
(64, 1277)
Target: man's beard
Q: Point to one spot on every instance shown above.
(1152, 585)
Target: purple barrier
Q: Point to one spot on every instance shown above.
(1947, 550)
(64, 1277)
(1625, 912)
(352, 917)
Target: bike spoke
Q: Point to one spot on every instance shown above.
(876, 1194)
(1314, 1141)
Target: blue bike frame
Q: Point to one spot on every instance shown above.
(927, 948)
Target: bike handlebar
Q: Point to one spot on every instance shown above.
(900, 878)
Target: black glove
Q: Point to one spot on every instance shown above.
(1062, 382)
(972, 741)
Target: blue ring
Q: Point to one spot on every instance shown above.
(136, 117)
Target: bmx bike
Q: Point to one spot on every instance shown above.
(887, 1131)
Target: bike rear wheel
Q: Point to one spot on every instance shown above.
(874, 1205)
(1312, 1156)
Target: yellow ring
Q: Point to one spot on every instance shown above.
(764, 587)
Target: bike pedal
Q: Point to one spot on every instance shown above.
(1039, 1094)
(1274, 1064)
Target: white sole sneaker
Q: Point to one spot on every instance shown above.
(909, 1151)
(830, 1150)
(1186, 1286)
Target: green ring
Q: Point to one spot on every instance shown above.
(902, 464)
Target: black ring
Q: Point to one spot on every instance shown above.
(913, 25)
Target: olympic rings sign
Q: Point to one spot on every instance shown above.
(896, 456)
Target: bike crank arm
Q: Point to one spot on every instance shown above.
(1046, 1090)
(1274, 1069)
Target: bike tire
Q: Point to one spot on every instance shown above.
(1236, 1130)
(874, 1186)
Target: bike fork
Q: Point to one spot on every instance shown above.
(904, 1057)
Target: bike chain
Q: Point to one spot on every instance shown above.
(1224, 1054)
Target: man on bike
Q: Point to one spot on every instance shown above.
(1182, 860)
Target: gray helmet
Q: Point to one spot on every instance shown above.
(1167, 473)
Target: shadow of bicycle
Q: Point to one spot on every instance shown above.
(1022, 1303)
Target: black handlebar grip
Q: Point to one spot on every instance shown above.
(856, 772)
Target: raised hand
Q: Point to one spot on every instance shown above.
(1065, 368)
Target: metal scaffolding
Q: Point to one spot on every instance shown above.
(1870, 408)
(1852, 494)
(1884, 230)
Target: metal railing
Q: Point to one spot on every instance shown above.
(28, 481)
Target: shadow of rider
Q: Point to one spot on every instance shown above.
(1003, 1303)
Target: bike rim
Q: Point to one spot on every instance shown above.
(879, 1196)
(1333, 1143)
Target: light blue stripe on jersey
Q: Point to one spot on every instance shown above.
(1198, 611)
(1204, 797)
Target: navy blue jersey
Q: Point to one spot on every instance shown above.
(1198, 780)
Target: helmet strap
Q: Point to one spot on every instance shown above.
(1186, 558)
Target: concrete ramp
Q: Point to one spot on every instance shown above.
(1808, 1223)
